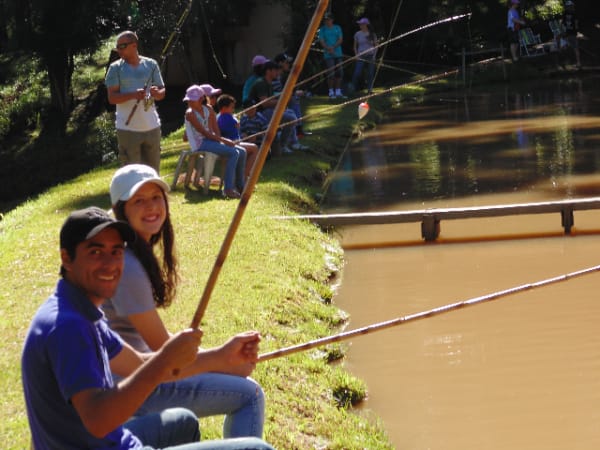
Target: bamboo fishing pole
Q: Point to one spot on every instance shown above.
(422, 315)
(260, 160)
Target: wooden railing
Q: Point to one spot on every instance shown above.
(430, 218)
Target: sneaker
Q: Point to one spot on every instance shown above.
(298, 146)
(301, 132)
(285, 150)
(231, 193)
(331, 95)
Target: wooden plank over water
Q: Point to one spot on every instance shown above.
(430, 218)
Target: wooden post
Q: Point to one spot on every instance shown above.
(464, 66)
(503, 63)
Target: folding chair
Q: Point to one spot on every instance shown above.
(530, 44)
(558, 31)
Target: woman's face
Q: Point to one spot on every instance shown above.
(146, 211)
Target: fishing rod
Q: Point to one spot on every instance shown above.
(148, 100)
(382, 56)
(423, 315)
(260, 161)
(358, 55)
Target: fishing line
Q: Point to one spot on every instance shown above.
(212, 48)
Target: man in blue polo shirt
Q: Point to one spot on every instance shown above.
(72, 401)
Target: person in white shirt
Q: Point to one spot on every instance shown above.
(133, 84)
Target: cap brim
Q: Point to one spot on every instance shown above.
(123, 228)
(131, 192)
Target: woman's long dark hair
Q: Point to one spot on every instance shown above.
(163, 276)
(371, 36)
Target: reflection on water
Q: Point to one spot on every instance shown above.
(531, 137)
(520, 372)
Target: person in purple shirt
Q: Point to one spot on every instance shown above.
(71, 398)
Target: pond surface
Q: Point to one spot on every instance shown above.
(522, 371)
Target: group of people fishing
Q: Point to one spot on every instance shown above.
(99, 367)
(134, 82)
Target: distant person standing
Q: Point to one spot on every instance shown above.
(365, 42)
(514, 24)
(133, 83)
(331, 38)
(571, 26)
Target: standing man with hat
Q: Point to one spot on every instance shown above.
(331, 38)
(133, 83)
(513, 25)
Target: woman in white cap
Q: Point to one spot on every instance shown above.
(139, 197)
(365, 42)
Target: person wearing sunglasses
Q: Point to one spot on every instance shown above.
(133, 84)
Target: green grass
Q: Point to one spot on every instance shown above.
(275, 280)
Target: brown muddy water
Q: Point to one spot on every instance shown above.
(521, 371)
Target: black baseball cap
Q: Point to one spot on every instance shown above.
(283, 57)
(270, 65)
(84, 224)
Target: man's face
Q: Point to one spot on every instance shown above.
(230, 109)
(125, 46)
(97, 266)
(271, 74)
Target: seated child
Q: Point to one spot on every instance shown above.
(230, 128)
(253, 125)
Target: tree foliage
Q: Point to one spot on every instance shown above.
(56, 31)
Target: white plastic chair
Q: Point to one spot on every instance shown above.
(197, 163)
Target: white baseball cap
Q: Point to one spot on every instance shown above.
(128, 179)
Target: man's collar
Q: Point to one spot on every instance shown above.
(78, 300)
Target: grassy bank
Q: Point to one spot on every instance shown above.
(277, 279)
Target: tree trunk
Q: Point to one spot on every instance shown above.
(60, 66)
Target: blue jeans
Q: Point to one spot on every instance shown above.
(336, 62)
(236, 162)
(288, 133)
(177, 429)
(358, 70)
(241, 400)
